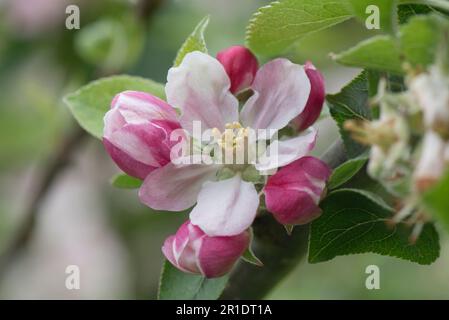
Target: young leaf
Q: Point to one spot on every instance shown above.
(378, 53)
(194, 42)
(346, 171)
(387, 12)
(90, 103)
(355, 222)
(124, 181)
(350, 103)
(436, 201)
(177, 285)
(275, 27)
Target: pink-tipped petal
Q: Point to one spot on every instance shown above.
(240, 65)
(200, 88)
(137, 132)
(315, 102)
(281, 90)
(175, 188)
(292, 194)
(219, 254)
(225, 208)
(282, 152)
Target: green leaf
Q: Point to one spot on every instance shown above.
(124, 181)
(346, 171)
(436, 201)
(90, 103)
(275, 27)
(350, 103)
(387, 12)
(406, 11)
(177, 285)
(112, 44)
(355, 222)
(194, 42)
(378, 53)
(420, 39)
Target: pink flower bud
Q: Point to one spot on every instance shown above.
(315, 102)
(137, 132)
(240, 65)
(192, 251)
(293, 193)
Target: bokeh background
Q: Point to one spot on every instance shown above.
(83, 220)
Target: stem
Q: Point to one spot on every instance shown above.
(441, 4)
(57, 162)
(279, 252)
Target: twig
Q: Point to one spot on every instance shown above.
(58, 161)
(279, 252)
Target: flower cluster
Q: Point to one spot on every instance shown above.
(409, 141)
(230, 96)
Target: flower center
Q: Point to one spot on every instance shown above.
(233, 144)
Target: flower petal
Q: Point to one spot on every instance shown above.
(282, 152)
(200, 88)
(281, 90)
(315, 102)
(175, 188)
(293, 193)
(225, 208)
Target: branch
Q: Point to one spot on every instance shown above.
(279, 252)
(56, 163)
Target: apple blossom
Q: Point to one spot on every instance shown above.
(223, 196)
(193, 251)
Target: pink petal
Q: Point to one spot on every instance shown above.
(200, 88)
(281, 90)
(219, 254)
(315, 102)
(240, 65)
(282, 152)
(292, 195)
(175, 188)
(225, 208)
(126, 163)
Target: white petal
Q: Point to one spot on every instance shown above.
(175, 188)
(225, 208)
(200, 88)
(282, 152)
(281, 90)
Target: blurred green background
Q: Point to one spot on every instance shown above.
(83, 220)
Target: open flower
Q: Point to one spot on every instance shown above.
(192, 251)
(224, 193)
(200, 87)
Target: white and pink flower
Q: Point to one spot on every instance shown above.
(193, 251)
(137, 131)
